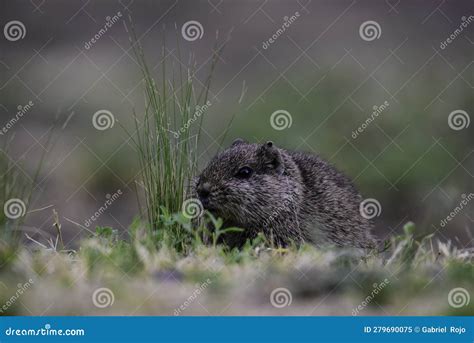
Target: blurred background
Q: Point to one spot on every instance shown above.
(368, 85)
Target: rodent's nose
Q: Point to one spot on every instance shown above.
(204, 190)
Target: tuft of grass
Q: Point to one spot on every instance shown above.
(14, 184)
(166, 138)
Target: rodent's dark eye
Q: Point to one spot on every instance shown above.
(244, 173)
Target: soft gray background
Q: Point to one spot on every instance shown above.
(320, 70)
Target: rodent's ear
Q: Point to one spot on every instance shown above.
(238, 141)
(270, 157)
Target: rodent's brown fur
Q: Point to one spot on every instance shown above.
(290, 197)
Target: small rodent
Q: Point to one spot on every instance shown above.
(292, 197)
